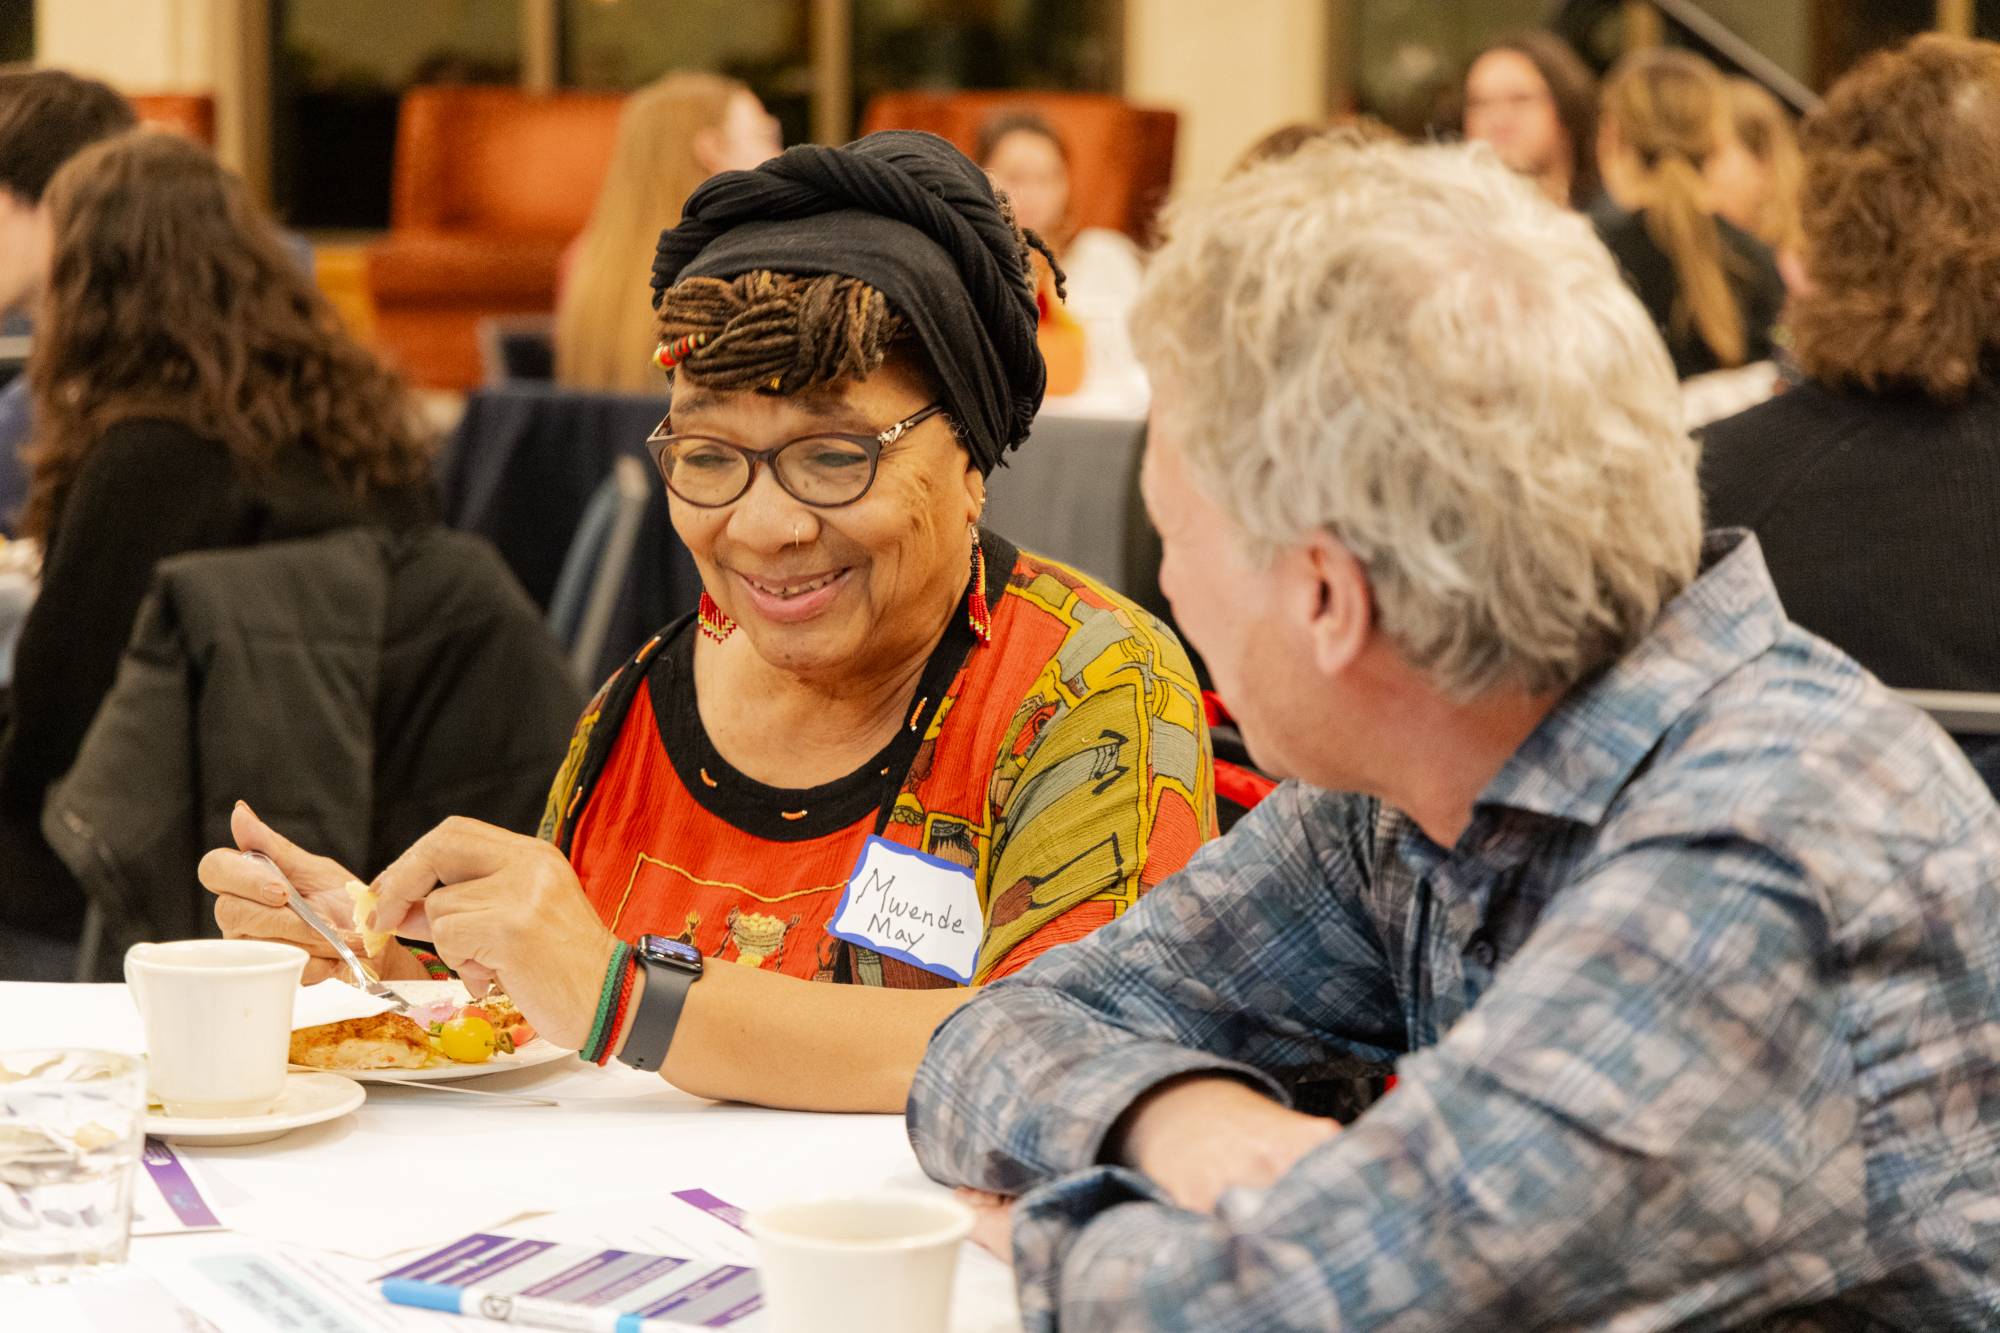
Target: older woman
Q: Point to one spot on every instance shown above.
(892, 751)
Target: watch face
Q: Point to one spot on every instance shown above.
(663, 950)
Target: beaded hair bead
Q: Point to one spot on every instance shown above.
(670, 354)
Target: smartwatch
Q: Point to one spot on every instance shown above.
(671, 967)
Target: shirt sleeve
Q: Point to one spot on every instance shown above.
(1105, 786)
(145, 493)
(1023, 1085)
(1634, 1127)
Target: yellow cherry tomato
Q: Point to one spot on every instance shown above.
(468, 1039)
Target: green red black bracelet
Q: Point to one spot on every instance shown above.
(611, 1000)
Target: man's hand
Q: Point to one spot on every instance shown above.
(992, 1222)
(1200, 1136)
(250, 903)
(503, 906)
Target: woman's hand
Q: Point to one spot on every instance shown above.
(501, 905)
(250, 903)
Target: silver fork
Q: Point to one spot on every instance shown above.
(306, 914)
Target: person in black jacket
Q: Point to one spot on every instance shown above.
(1874, 486)
(192, 390)
(1713, 289)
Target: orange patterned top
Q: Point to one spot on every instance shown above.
(1065, 763)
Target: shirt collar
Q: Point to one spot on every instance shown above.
(1587, 748)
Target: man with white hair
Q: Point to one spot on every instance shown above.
(1680, 932)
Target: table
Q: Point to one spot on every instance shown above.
(619, 1137)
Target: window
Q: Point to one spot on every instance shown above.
(623, 44)
(1073, 45)
(339, 69)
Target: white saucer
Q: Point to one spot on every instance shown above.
(307, 1099)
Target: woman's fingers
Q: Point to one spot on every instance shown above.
(305, 869)
(230, 874)
(242, 919)
(452, 853)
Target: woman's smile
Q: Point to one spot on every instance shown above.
(790, 600)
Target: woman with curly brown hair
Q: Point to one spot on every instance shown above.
(892, 758)
(192, 390)
(1874, 486)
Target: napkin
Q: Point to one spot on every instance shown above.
(333, 1000)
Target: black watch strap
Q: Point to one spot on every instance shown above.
(671, 969)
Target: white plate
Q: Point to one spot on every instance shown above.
(307, 1099)
(537, 1052)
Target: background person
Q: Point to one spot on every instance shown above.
(1712, 288)
(1874, 485)
(672, 136)
(1535, 102)
(1030, 164)
(46, 117)
(1755, 174)
(192, 390)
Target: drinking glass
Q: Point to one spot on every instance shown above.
(71, 1127)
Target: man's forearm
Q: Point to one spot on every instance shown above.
(751, 1036)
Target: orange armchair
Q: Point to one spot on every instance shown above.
(189, 114)
(490, 185)
(1121, 155)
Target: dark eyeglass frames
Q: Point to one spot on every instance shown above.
(825, 471)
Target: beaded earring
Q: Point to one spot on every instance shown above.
(714, 623)
(980, 614)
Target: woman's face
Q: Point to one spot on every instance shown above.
(1738, 184)
(1508, 105)
(747, 137)
(833, 593)
(1030, 169)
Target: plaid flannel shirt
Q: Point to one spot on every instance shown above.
(1697, 1026)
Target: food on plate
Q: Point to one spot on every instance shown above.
(441, 1032)
(385, 1041)
(366, 900)
(468, 1039)
(511, 1030)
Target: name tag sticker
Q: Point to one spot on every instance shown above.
(907, 905)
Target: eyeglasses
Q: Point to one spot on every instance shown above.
(1515, 102)
(825, 471)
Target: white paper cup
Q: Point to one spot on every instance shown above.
(874, 1263)
(218, 1017)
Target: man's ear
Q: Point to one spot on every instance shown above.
(1341, 616)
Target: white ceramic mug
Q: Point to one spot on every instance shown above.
(874, 1263)
(218, 1017)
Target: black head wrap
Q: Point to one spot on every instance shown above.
(915, 219)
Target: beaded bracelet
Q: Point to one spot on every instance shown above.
(602, 1028)
(434, 966)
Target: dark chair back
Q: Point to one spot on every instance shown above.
(521, 470)
(1973, 720)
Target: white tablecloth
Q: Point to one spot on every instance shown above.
(435, 1166)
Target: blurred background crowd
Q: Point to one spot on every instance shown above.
(434, 223)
